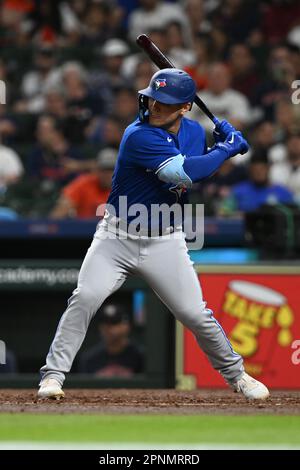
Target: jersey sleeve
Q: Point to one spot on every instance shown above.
(150, 150)
(204, 148)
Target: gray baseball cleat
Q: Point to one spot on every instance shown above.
(251, 388)
(50, 388)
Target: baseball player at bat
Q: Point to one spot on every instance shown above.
(162, 153)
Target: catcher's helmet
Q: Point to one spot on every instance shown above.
(168, 86)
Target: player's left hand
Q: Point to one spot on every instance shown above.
(222, 130)
(234, 144)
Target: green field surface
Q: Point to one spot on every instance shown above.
(158, 429)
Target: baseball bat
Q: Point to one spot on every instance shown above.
(162, 62)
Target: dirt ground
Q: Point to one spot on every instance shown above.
(121, 401)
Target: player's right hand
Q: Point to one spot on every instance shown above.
(234, 144)
(222, 131)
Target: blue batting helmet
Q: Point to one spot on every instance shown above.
(171, 86)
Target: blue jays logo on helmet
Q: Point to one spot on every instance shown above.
(171, 86)
(160, 83)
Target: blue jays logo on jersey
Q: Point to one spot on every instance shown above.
(178, 190)
(160, 83)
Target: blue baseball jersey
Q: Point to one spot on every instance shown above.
(144, 150)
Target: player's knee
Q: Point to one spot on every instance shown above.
(85, 297)
(195, 317)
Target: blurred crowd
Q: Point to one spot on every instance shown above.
(72, 70)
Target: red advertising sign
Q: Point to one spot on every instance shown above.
(261, 315)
